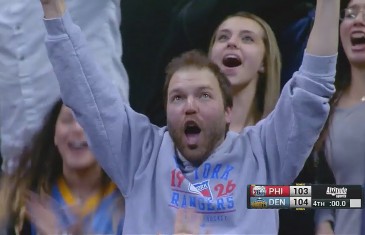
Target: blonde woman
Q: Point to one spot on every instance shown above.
(245, 49)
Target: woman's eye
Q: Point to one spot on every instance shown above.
(222, 37)
(176, 98)
(247, 39)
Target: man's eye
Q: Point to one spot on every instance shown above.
(205, 96)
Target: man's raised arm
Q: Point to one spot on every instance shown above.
(122, 140)
(290, 131)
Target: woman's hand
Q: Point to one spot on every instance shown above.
(45, 213)
(39, 212)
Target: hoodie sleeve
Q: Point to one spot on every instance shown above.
(290, 131)
(322, 215)
(122, 140)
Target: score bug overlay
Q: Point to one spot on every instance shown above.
(304, 196)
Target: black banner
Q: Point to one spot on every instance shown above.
(331, 203)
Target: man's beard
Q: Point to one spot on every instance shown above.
(207, 144)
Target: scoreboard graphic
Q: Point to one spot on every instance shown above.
(304, 196)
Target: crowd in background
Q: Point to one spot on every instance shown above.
(51, 178)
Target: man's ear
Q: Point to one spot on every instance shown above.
(228, 114)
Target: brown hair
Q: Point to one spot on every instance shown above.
(198, 59)
(268, 86)
(38, 170)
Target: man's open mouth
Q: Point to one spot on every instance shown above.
(192, 132)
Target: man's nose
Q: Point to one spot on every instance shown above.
(191, 106)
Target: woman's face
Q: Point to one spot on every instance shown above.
(239, 50)
(352, 32)
(71, 142)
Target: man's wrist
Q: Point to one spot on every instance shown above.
(54, 9)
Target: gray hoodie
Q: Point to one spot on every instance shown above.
(142, 160)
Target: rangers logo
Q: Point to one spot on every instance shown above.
(202, 188)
